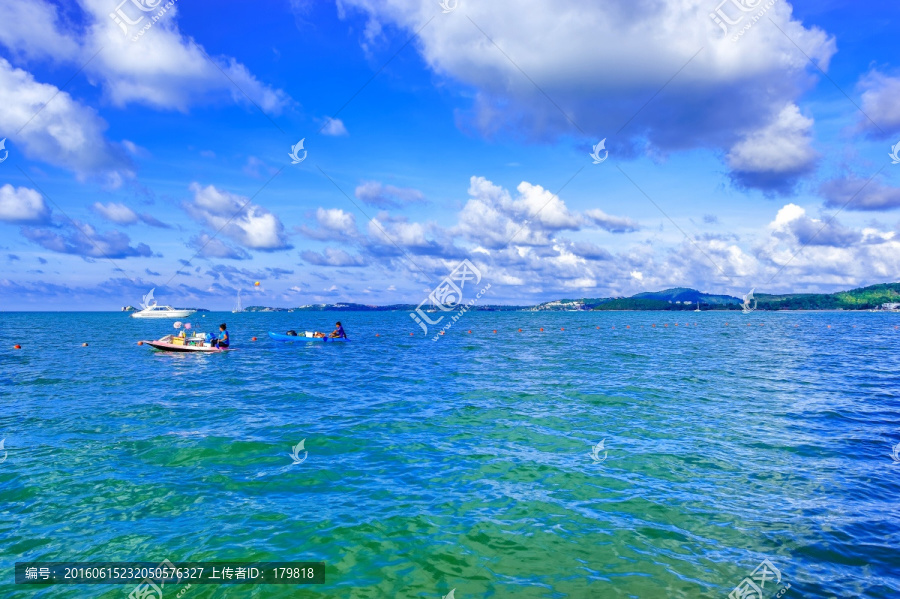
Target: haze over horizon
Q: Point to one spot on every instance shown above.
(431, 136)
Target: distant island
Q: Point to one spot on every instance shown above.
(884, 296)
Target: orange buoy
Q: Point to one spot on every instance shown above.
(377, 335)
(654, 326)
(140, 343)
(17, 346)
(495, 330)
(627, 326)
(253, 339)
(676, 324)
(829, 326)
(666, 325)
(520, 330)
(442, 332)
(598, 328)
(542, 330)
(411, 334)
(614, 326)
(470, 331)
(562, 329)
(84, 345)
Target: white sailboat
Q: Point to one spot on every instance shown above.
(238, 307)
(698, 308)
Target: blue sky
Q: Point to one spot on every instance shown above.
(162, 160)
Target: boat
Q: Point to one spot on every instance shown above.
(152, 310)
(238, 308)
(155, 311)
(306, 336)
(698, 308)
(195, 343)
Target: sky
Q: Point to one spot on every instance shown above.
(360, 151)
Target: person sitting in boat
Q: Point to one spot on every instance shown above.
(224, 340)
(338, 332)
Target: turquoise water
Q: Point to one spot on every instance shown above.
(464, 463)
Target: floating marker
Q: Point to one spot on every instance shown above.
(520, 330)
(84, 345)
(542, 330)
(17, 346)
(140, 343)
(411, 334)
(561, 329)
(627, 326)
(253, 339)
(495, 330)
(470, 331)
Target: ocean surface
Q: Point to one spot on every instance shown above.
(465, 463)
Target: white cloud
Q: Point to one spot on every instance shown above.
(115, 212)
(334, 127)
(61, 131)
(43, 37)
(774, 156)
(22, 206)
(248, 224)
(880, 102)
(740, 85)
(613, 224)
(164, 69)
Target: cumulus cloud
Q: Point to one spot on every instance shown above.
(250, 225)
(880, 103)
(853, 193)
(740, 86)
(493, 218)
(774, 157)
(380, 195)
(333, 224)
(81, 239)
(332, 257)
(792, 220)
(164, 69)
(21, 205)
(61, 132)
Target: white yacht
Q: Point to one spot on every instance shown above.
(152, 310)
(238, 307)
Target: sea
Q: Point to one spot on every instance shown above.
(520, 454)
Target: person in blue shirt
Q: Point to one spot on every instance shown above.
(224, 340)
(339, 331)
